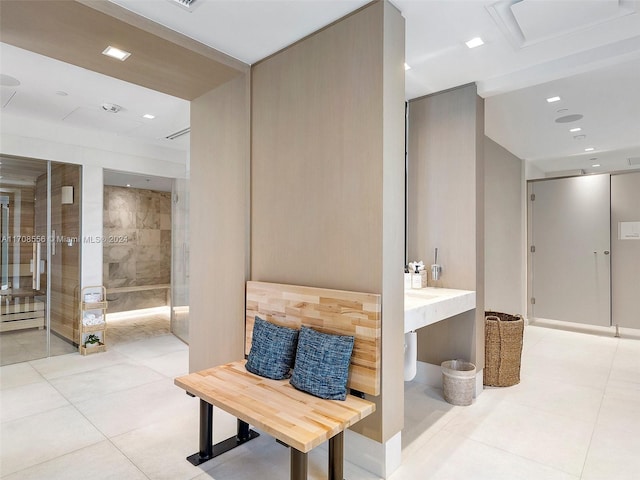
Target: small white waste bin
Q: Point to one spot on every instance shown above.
(458, 381)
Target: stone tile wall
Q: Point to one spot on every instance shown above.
(137, 245)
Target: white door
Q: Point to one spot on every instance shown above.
(571, 264)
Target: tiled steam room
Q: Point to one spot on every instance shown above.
(137, 248)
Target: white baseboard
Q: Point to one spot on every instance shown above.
(381, 459)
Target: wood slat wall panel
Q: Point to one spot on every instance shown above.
(329, 311)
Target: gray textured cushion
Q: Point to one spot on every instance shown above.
(273, 350)
(322, 364)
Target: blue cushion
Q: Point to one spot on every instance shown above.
(273, 350)
(322, 364)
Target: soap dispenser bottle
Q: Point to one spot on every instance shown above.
(417, 278)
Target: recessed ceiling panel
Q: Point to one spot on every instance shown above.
(541, 20)
(41, 105)
(98, 119)
(6, 95)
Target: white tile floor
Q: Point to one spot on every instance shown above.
(30, 344)
(117, 415)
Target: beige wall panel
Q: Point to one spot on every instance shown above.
(327, 175)
(504, 235)
(442, 184)
(477, 353)
(218, 219)
(625, 254)
(446, 205)
(448, 340)
(317, 159)
(393, 193)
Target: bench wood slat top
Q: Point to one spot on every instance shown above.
(296, 418)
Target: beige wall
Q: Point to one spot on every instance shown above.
(446, 210)
(625, 254)
(219, 210)
(504, 231)
(327, 174)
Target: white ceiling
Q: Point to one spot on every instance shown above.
(38, 98)
(523, 121)
(586, 51)
(132, 180)
(248, 30)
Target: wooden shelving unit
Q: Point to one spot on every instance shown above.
(96, 304)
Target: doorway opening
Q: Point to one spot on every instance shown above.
(138, 226)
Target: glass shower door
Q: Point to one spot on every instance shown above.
(23, 299)
(39, 270)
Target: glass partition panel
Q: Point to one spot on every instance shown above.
(180, 260)
(23, 332)
(28, 254)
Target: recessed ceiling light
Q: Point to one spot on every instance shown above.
(128, 184)
(474, 42)
(595, 165)
(590, 149)
(553, 99)
(573, 130)
(116, 53)
(407, 66)
(149, 116)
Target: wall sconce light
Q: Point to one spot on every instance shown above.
(67, 195)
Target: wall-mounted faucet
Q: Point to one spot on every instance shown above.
(435, 268)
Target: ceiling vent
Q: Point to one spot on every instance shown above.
(565, 173)
(633, 161)
(179, 133)
(188, 5)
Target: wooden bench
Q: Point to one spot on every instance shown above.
(21, 309)
(295, 418)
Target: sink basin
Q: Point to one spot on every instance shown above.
(418, 294)
(425, 306)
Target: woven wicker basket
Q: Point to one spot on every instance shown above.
(503, 349)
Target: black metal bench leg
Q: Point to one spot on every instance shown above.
(206, 435)
(207, 449)
(299, 463)
(336, 457)
(243, 431)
